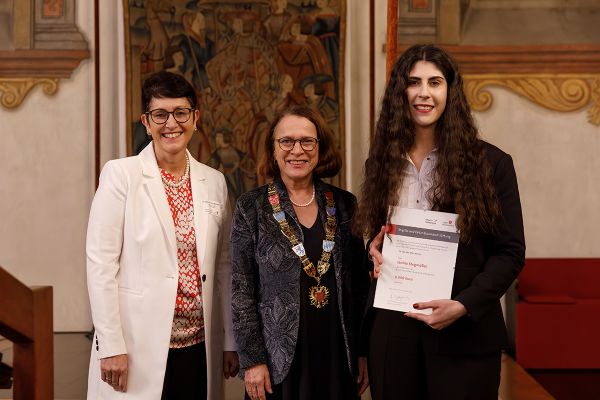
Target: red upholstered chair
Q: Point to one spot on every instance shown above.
(558, 314)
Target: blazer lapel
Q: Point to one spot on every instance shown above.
(199, 197)
(336, 253)
(156, 191)
(288, 208)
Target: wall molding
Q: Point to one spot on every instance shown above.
(22, 70)
(40, 63)
(14, 90)
(527, 59)
(47, 46)
(557, 92)
(561, 78)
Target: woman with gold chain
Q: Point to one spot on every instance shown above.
(298, 285)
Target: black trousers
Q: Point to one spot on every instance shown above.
(185, 376)
(404, 364)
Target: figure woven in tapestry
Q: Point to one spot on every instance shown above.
(248, 60)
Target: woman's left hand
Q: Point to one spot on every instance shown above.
(362, 380)
(231, 364)
(444, 313)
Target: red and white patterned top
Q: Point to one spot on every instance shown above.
(188, 321)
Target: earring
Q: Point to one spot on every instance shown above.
(148, 133)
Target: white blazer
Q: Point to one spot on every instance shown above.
(132, 273)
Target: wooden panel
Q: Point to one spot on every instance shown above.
(517, 384)
(391, 36)
(530, 59)
(26, 318)
(33, 367)
(40, 63)
(16, 322)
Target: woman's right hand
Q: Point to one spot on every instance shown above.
(113, 370)
(257, 381)
(375, 252)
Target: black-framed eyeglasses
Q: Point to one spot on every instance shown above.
(307, 143)
(160, 116)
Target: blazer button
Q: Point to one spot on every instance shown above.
(203, 277)
(97, 348)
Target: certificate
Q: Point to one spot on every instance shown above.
(419, 255)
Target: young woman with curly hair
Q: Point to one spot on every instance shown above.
(426, 154)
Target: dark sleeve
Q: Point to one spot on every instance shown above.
(244, 272)
(366, 259)
(506, 256)
(361, 283)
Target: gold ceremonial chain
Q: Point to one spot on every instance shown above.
(318, 294)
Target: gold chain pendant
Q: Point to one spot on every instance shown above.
(322, 267)
(319, 296)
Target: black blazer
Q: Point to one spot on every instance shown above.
(486, 266)
(266, 278)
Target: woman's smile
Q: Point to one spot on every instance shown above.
(298, 163)
(423, 108)
(171, 135)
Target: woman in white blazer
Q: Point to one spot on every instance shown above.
(157, 263)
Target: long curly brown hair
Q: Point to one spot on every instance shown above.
(462, 177)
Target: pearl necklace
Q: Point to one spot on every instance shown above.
(184, 178)
(306, 204)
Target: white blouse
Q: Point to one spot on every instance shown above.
(416, 183)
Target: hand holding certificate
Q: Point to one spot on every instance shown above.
(419, 255)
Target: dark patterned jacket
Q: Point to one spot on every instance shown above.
(266, 278)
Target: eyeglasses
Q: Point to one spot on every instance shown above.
(307, 143)
(160, 116)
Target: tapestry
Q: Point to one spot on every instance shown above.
(247, 60)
